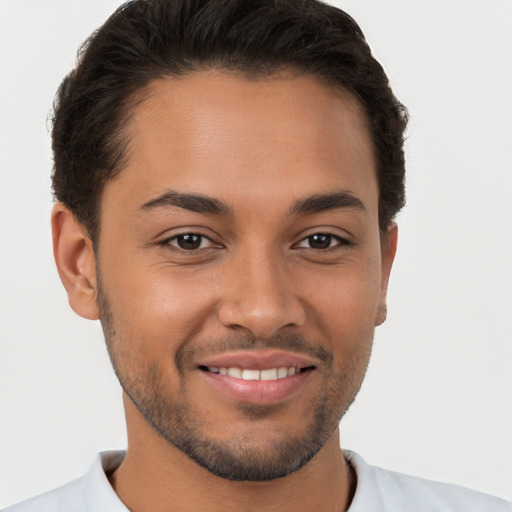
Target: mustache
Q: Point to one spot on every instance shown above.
(291, 342)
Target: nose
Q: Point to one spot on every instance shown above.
(260, 297)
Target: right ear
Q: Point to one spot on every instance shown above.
(76, 262)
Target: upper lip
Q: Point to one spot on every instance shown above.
(258, 360)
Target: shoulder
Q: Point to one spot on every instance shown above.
(384, 490)
(89, 493)
(66, 498)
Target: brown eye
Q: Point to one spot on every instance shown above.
(320, 241)
(190, 242)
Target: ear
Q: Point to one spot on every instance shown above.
(388, 249)
(76, 263)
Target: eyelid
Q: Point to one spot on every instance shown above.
(341, 241)
(345, 236)
(166, 241)
(202, 237)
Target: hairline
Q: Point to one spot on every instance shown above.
(140, 95)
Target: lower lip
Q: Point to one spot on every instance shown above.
(264, 392)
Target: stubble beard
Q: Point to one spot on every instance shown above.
(243, 458)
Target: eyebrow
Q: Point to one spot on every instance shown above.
(209, 205)
(194, 202)
(325, 202)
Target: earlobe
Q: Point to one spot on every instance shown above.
(389, 244)
(76, 262)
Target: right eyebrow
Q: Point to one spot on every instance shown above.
(193, 202)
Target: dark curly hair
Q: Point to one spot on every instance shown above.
(148, 39)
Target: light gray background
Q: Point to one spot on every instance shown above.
(437, 399)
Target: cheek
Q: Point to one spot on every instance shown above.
(155, 307)
(346, 309)
(353, 289)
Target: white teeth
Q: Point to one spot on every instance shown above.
(282, 372)
(268, 374)
(251, 375)
(235, 372)
(246, 374)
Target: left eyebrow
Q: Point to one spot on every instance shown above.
(324, 202)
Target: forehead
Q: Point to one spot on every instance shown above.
(216, 133)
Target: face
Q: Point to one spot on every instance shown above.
(240, 267)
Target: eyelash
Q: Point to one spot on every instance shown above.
(341, 242)
(168, 242)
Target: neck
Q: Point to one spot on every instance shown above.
(155, 476)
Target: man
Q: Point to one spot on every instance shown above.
(227, 176)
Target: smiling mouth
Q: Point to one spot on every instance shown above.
(259, 377)
(248, 374)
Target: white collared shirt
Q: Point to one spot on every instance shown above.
(378, 490)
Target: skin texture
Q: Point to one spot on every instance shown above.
(257, 282)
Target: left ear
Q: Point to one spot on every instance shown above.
(388, 250)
